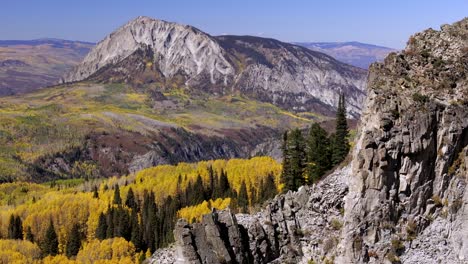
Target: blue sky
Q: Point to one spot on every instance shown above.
(387, 23)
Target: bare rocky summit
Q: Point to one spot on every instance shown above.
(147, 50)
(403, 197)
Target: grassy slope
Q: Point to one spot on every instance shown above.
(54, 119)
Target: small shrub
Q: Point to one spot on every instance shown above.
(437, 200)
(329, 261)
(411, 229)
(395, 114)
(393, 258)
(357, 244)
(397, 245)
(329, 244)
(425, 53)
(456, 205)
(417, 97)
(336, 224)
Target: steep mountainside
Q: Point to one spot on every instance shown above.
(26, 65)
(402, 198)
(354, 53)
(115, 129)
(153, 51)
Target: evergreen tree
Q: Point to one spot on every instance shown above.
(130, 201)
(198, 191)
(122, 224)
(297, 157)
(50, 243)
(95, 192)
(269, 187)
(136, 232)
(340, 146)
(286, 177)
(101, 230)
(110, 222)
(74, 241)
(29, 235)
(243, 199)
(117, 198)
(224, 186)
(15, 228)
(150, 221)
(318, 153)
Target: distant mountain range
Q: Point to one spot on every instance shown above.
(26, 65)
(354, 53)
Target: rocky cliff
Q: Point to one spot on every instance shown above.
(147, 50)
(402, 198)
(409, 166)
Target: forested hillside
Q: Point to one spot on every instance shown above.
(123, 220)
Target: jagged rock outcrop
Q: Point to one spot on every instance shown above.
(293, 228)
(404, 193)
(147, 50)
(407, 198)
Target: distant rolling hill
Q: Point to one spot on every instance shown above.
(354, 53)
(26, 65)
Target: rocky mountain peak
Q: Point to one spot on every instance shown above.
(153, 51)
(177, 49)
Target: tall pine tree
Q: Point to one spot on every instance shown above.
(117, 198)
(286, 176)
(296, 149)
(74, 241)
(29, 235)
(101, 231)
(15, 228)
(130, 201)
(340, 146)
(318, 153)
(243, 199)
(50, 242)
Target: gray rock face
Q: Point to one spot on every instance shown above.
(409, 166)
(153, 51)
(293, 228)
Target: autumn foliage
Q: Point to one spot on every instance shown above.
(145, 204)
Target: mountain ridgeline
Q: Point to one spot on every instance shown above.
(147, 50)
(355, 53)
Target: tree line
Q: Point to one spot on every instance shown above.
(307, 158)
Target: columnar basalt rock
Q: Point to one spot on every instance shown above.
(408, 166)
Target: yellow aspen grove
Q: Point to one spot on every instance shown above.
(91, 205)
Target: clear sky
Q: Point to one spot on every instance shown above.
(382, 22)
